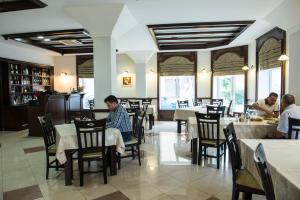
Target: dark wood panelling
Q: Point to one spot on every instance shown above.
(84, 43)
(196, 35)
(279, 35)
(9, 6)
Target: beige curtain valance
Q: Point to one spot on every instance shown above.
(269, 54)
(86, 69)
(177, 66)
(228, 64)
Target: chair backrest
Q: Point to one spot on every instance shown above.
(198, 102)
(137, 133)
(217, 102)
(261, 165)
(146, 101)
(232, 143)
(216, 110)
(124, 102)
(248, 108)
(48, 130)
(183, 104)
(229, 110)
(90, 136)
(294, 127)
(92, 104)
(208, 126)
(85, 115)
(135, 104)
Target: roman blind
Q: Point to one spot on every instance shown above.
(269, 54)
(86, 69)
(177, 66)
(228, 64)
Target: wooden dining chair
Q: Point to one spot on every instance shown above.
(183, 104)
(242, 180)
(209, 136)
(134, 104)
(217, 102)
(198, 102)
(80, 115)
(216, 110)
(229, 110)
(91, 146)
(146, 101)
(294, 127)
(265, 176)
(48, 132)
(124, 102)
(133, 145)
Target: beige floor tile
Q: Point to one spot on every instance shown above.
(188, 193)
(142, 191)
(64, 195)
(97, 190)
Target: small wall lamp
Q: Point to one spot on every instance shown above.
(125, 72)
(283, 57)
(63, 74)
(246, 68)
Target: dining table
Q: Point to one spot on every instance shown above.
(283, 163)
(244, 130)
(67, 143)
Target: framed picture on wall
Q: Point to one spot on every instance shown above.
(127, 81)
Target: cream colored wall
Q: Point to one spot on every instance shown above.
(204, 78)
(66, 64)
(151, 76)
(252, 71)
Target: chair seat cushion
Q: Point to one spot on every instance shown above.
(92, 155)
(52, 149)
(212, 142)
(131, 142)
(245, 178)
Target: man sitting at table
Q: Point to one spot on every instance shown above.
(118, 117)
(289, 110)
(268, 107)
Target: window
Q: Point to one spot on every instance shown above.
(173, 88)
(88, 89)
(269, 81)
(230, 87)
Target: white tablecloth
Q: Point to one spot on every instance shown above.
(283, 163)
(244, 130)
(185, 113)
(67, 139)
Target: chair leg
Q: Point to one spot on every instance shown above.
(224, 153)
(104, 171)
(47, 167)
(80, 166)
(56, 165)
(248, 196)
(205, 152)
(235, 194)
(143, 132)
(218, 157)
(119, 161)
(139, 154)
(200, 155)
(132, 153)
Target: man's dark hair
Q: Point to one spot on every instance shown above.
(273, 94)
(111, 99)
(288, 99)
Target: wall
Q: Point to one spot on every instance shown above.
(151, 76)
(16, 51)
(252, 71)
(204, 78)
(66, 64)
(294, 68)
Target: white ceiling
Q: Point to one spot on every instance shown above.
(146, 12)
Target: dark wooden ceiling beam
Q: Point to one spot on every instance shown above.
(194, 38)
(198, 33)
(199, 27)
(8, 6)
(244, 22)
(192, 46)
(190, 42)
(70, 38)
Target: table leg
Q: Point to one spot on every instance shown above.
(194, 142)
(178, 126)
(113, 160)
(68, 168)
(151, 121)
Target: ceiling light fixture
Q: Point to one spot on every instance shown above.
(283, 57)
(18, 39)
(47, 39)
(245, 68)
(40, 37)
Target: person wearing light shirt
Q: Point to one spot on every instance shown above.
(290, 110)
(267, 107)
(118, 118)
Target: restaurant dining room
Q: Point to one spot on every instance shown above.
(149, 100)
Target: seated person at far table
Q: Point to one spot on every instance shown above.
(289, 110)
(118, 118)
(267, 107)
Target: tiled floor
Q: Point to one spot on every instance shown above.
(165, 174)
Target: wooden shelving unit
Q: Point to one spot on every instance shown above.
(20, 83)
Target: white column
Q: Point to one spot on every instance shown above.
(140, 80)
(105, 71)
